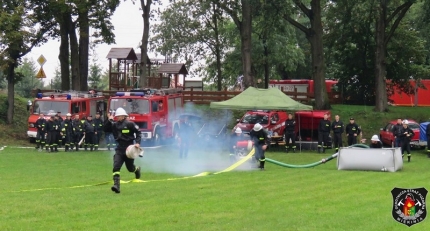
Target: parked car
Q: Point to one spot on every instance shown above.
(387, 137)
(272, 121)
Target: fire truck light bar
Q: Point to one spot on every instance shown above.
(130, 94)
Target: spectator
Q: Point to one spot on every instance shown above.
(397, 132)
(375, 142)
(352, 130)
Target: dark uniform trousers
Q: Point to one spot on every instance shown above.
(40, 138)
(290, 135)
(90, 138)
(323, 138)
(337, 140)
(352, 139)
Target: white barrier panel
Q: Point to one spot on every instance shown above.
(371, 159)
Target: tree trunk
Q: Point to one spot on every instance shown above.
(84, 41)
(245, 35)
(217, 47)
(64, 53)
(381, 104)
(10, 91)
(74, 56)
(266, 64)
(315, 38)
(146, 8)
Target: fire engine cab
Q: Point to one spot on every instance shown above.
(155, 111)
(75, 103)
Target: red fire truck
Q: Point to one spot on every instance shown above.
(155, 111)
(75, 103)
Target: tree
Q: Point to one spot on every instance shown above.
(192, 30)
(385, 21)
(29, 82)
(146, 15)
(241, 14)
(20, 30)
(314, 35)
(56, 81)
(95, 77)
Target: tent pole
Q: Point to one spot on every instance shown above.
(300, 135)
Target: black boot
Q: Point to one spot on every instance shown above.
(137, 172)
(409, 158)
(319, 150)
(66, 149)
(262, 164)
(428, 155)
(77, 147)
(116, 183)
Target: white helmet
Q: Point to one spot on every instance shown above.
(405, 122)
(132, 152)
(375, 138)
(120, 112)
(257, 127)
(68, 114)
(238, 130)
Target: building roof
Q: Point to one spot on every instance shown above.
(173, 68)
(126, 53)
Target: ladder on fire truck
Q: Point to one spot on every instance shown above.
(162, 91)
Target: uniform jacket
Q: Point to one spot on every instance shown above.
(89, 126)
(405, 132)
(324, 126)
(397, 130)
(337, 126)
(290, 125)
(125, 132)
(259, 137)
(40, 124)
(67, 127)
(98, 124)
(50, 126)
(352, 129)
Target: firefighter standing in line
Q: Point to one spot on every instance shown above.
(352, 131)
(90, 133)
(185, 136)
(323, 133)
(337, 127)
(125, 133)
(428, 139)
(51, 135)
(290, 129)
(59, 121)
(261, 142)
(397, 129)
(40, 137)
(58, 137)
(67, 132)
(110, 142)
(98, 122)
(78, 132)
(406, 135)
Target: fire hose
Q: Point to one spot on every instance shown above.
(323, 161)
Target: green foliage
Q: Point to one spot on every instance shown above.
(28, 82)
(96, 76)
(16, 131)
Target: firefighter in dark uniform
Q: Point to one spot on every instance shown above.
(58, 139)
(261, 142)
(352, 131)
(60, 121)
(90, 133)
(67, 133)
(337, 127)
(397, 129)
(98, 122)
(51, 139)
(185, 136)
(110, 142)
(406, 135)
(125, 133)
(40, 136)
(290, 129)
(323, 133)
(78, 131)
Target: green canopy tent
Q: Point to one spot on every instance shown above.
(261, 99)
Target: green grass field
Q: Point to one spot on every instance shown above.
(39, 193)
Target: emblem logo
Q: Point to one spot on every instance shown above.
(409, 205)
